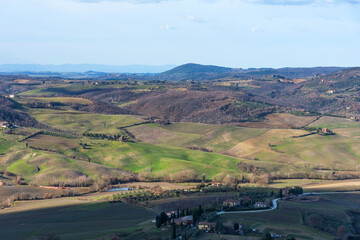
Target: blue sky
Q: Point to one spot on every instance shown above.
(234, 33)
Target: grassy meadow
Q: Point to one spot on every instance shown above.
(81, 122)
(161, 150)
(334, 122)
(72, 218)
(159, 159)
(215, 138)
(78, 100)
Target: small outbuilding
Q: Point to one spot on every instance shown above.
(4, 124)
(206, 226)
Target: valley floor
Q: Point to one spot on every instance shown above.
(90, 216)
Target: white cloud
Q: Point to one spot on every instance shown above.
(166, 27)
(255, 29)
(263, 2)
(130, 1)
(192, 18)
(303, 2)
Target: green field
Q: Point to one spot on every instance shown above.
(84, 122)
(165, 148)
(4, 145)
(56, 89)
(159, 159)
(315, 151)
(335, 122)
(70, 219)
(215, 138)
(106, 158)
(64, 100)
(341, 151)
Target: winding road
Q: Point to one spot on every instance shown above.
(275, 205)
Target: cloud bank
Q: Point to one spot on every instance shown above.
(264, 2)
(303, 2)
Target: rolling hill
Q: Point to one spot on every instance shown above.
(194, 72)
(201, 106)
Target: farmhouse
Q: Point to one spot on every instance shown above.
(216, 184)
(187, 220)
(171, 214)
(231, 203)
(4, 124)
(206, 226)
(326, 131)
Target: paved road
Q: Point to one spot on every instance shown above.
(274, 202)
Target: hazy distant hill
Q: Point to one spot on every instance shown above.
(195, 72)
(190, 68)
(293, 72)
(7, 68)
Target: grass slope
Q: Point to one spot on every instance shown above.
(84, 122)
(64, 100)
(338, 151)
(213, 137)
(159, 159)
(70, 218)
(335, 122)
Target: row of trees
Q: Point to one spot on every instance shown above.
(146, 195)
(112, 137)
(8, 202)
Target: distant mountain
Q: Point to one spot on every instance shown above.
(200, 72)
(190, 68)
(194, 72)
(189, 71)
(80, 68)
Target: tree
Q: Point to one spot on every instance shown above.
(173, 230)
(201, 211)
(296, 190)
(236, 226)
(203, 178)
(158, 222)
(267, 236)
(182, 214)
(163, 218)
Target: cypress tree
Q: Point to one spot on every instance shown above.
(158, 222)
(173, 231)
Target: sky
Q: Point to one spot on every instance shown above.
(233, 33)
